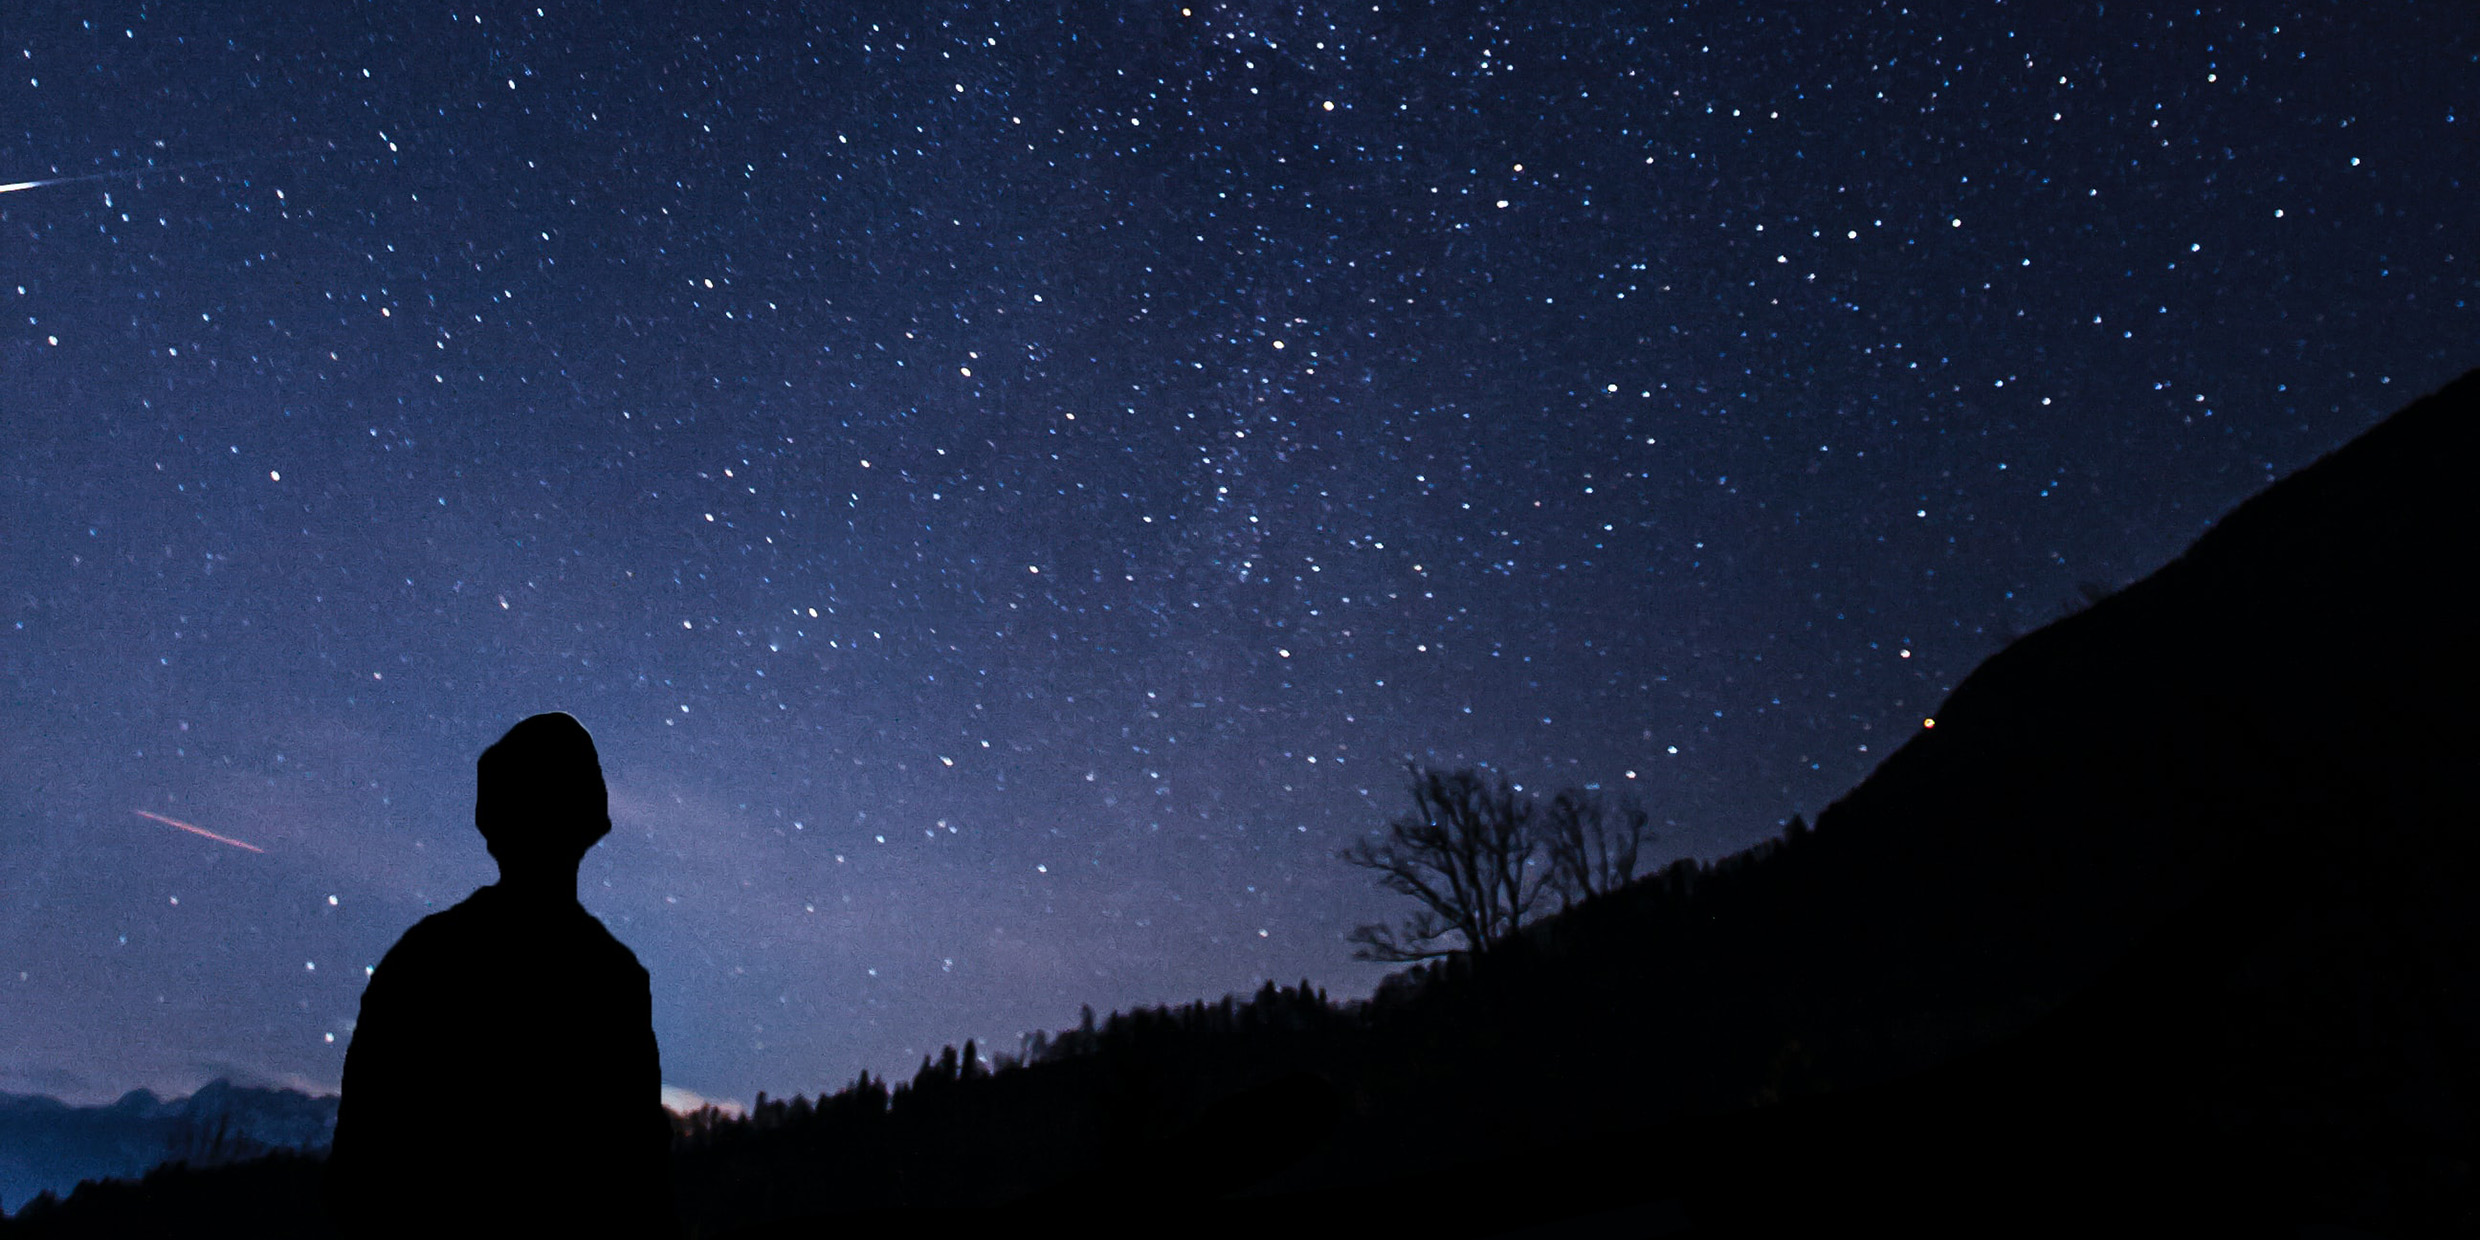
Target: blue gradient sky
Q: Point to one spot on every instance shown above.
(1009, 486)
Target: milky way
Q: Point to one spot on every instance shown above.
(1010, 486)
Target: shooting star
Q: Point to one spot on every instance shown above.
(157, 170)
(123, 175)
(220, 839)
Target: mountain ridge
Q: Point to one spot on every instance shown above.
(47, 1145)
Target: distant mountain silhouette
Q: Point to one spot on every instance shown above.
(2167, 926)
(48, 1145)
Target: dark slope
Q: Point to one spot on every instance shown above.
(2224, 816)
(2169, 922)
(2235, 796)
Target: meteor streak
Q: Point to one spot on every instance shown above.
(220, 839)
(166, 170)
(14, 186)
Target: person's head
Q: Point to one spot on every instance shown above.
(539, 799)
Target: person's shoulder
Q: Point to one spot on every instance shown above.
(455, 922)
(615, 954)
(440, 938)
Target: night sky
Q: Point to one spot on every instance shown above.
(1008, 486)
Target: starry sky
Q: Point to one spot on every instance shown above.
(1008, 486)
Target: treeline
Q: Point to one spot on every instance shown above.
(960, 1134)
(1285, 1087)
(1272, 1010)
(1486, 866)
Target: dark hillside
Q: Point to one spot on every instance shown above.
(2234, 795)
(2177, 893)
(2249, 768)
(2222, 815)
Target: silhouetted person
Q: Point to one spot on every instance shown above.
(503, 1078)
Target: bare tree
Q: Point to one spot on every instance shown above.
(1464, 852)
(1593, 844)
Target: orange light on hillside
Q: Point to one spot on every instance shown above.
(1928, 723)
